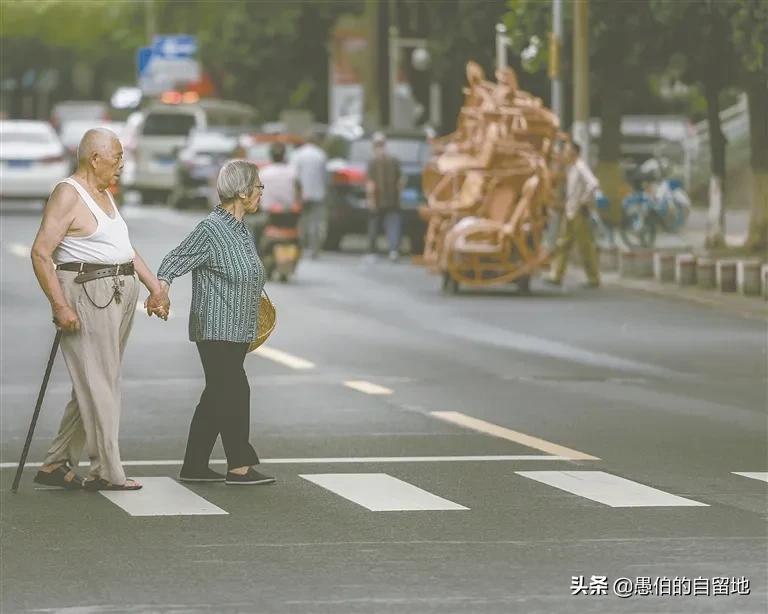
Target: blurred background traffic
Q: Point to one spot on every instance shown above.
(662, 94)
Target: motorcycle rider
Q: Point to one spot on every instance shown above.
(282, 202)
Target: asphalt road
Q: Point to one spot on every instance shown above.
(478, 453)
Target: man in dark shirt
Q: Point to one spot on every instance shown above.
(383, 188)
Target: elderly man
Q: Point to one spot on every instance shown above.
(85, 264)
(580, 188)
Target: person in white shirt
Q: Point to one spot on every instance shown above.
(281, 185)
(309, 161)
(581, 185)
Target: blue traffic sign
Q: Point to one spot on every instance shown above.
(143, 56)
(174, 46)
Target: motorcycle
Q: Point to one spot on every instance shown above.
(279, 243)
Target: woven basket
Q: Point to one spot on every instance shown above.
(267, 321)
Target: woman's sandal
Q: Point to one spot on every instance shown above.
(58, 478)
(97, 484)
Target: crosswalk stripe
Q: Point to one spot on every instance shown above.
(755, 475)
(499, 431)
(367, 387)
(284, 358)
(609, 489)
(339, 459)
(162, 497)
(380, 492)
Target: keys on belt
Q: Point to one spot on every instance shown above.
(89, 272)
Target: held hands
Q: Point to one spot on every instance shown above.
(158, 303)
(65, 319)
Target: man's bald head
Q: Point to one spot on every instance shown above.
(96, 140)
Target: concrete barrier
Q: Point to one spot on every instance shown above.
(685, 269)
(725, 275)
(637, 264)
(748, 279)
(764, 280)
(609, 258)
(706, 277)
(664, 266)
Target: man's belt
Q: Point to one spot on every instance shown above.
(90, 271)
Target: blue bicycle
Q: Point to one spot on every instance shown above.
(653, 203)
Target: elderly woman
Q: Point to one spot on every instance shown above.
(227, 280)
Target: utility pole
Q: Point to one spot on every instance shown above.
(502, 40)
(150, 20)
(555, 49)
(394, 65)
(581, 75)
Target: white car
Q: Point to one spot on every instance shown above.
(32, 159)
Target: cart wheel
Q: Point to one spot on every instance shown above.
(450, 285)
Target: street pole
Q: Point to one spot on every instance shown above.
(581, 76)
(501, 46)
(555, 48)
(394, 52)
(150, 21)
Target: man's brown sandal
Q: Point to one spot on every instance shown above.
(58, 478)
(97, 484)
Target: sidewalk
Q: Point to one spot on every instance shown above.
(694, 233)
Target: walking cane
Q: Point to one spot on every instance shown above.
(36, 413)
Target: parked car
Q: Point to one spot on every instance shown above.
(347, 205)
(32, 159)
(198, 167)
(68, 110)
(164, 132)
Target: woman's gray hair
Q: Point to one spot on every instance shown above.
(236, 178)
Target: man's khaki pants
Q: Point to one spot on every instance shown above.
(93, 356)
(577, 230)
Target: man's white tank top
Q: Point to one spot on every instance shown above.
(110, 243)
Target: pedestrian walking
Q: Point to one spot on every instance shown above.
(385, 181)
(87, 267)
(227, 280)
(580, 187)
(309, 160)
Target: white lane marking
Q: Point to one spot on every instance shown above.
(332, 460)
(162, 497)
(17, 249)
(367, 387)
(499, 431)
(140, 309)
(380, 492)
(284, 358)
(609, 489)
(755, 475)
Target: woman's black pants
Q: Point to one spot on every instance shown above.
(224, 408)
